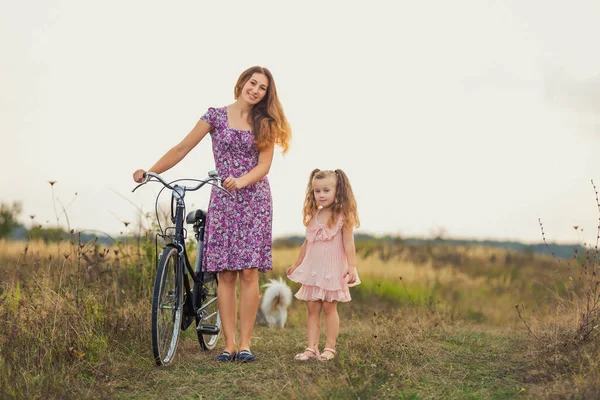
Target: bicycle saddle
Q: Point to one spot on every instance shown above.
(195, 216)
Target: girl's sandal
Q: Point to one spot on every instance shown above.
(307, 355)
(328, 354)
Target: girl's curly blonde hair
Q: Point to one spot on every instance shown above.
(344, 204)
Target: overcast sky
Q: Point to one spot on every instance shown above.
(474, 118)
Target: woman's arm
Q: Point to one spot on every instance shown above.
(350, 250)
(265, 158)
(178, 152)
(299, 259)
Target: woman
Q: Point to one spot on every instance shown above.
(238, 230)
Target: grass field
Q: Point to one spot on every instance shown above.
(428, 322)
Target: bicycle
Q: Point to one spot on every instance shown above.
(175, 305)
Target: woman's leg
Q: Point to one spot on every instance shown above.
(332, 323)
(313, 324)
(248, 305)
(227, 303)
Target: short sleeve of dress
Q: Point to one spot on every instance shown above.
(210, 117)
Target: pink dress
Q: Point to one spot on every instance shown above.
(321, 272)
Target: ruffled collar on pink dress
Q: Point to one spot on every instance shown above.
(316, 231)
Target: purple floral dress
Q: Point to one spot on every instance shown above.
(238, 230)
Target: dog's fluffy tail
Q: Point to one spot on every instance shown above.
(276, 299)
(277, 294)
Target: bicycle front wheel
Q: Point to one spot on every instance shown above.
(167, 306)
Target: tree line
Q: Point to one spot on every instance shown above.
(11, 228)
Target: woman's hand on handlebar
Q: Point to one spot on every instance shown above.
(232, 183)
(139, 175)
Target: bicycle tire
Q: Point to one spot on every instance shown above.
(208, 295)
(167, 306)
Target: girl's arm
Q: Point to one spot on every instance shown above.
(265, 158)
(178, 152)
(350, 250)
(299, 260)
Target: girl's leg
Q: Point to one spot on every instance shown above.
(332, 325)
(249, 296)
(314, 324)
(227, 303)
(313, 330)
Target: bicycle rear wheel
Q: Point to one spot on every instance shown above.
(209, 327)
(167, 306)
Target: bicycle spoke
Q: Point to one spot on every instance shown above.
(208, 303)
(208, 317)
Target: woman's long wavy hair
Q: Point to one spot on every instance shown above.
(269, 123)
(344, 204)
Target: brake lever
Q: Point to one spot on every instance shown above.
(137, 187)
(215, 175)
(219, 184)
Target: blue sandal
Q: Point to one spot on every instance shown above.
(226, 357)
(245, 356)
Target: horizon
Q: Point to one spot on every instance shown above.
(116, 235)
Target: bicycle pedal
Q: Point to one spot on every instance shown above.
(208, 329)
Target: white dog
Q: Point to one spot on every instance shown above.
(275, 302)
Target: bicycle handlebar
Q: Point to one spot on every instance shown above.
(213, 176)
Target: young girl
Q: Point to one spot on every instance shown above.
(326, 265)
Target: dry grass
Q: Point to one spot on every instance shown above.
(427, 322)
